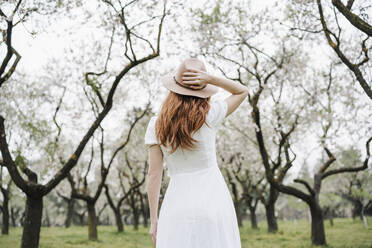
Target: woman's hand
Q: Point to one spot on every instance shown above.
(196, 79)
(153, 231)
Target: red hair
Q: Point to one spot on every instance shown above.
(180, 117)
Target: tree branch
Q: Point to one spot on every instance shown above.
(354, 19)
(336, 47)
(10, 51)
(351, 169)
(306, 184)
(328, 162)
(9, 162)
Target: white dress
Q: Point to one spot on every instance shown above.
(197, 210)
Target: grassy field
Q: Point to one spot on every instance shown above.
(344, 233)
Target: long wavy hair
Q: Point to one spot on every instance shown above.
(180, 116)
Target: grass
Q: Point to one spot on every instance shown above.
(345, 233)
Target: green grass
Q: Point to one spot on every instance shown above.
(345, 233)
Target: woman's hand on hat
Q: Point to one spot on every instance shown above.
(195, 79)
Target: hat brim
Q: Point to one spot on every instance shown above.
(170, 84)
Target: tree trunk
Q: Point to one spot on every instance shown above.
(132, 202)
(119, 222)
(5, 210)
(135, 218)
(143, 211)
(70, 212)
(253, 215)
(32, 222)
(317, 225)
(239, 214)
(357, 209)
(272, 224)
(92, 221)
(365, 222)
(331, 220)
(331, 214)
(13, 217)
(47, 219)
(145, 218)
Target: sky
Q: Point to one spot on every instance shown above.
(36, 49)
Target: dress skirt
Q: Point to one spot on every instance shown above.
(198, 212)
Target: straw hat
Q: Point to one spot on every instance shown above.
(173, 81)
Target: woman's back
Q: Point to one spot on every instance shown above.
(204, 153)
(197, 209)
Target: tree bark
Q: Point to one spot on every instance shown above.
(272, 223)
(354, 19)
(119, 222)
(13, 217)
(253, 216)
(135, 219)
(70, 212)
(357, 209)
(317, 224)
(134, 209)
(143, 210)
(331, 220)
(115, 209)
(5, 210)
(239, 214)
(47, 219)
(32, 222)
(92, 221)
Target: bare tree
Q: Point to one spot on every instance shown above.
(116, 208)
(311, 195)
(272, 167)
(334, 40)
(83, 193)
(14, 214)
(135, 177)
(237, 196)
(247, 187)
(70, 201)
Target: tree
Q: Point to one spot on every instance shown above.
(83, 193)
(36, 191)
(241, 172)
(237, 196)
(312, 194)
(4, 207)
(116, 208)
(334, 40)
(333, 19)
(70, 207)
(135, 175)
(357, 191)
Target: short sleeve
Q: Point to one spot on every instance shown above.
(150, 135)
(217, 112)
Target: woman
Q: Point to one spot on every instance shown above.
(197, 210)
